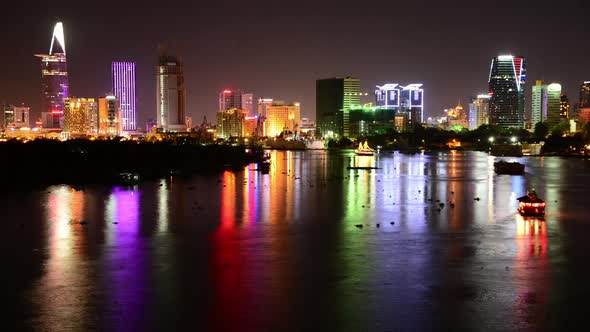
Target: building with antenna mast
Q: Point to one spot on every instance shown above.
(54, 80)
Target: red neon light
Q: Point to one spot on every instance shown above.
(226, 91)
(57, 112)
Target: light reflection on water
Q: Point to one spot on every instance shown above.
(414, 244)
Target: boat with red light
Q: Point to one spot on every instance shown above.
(531, 205)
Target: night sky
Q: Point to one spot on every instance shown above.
(278, 49)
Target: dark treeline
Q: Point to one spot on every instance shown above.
(45, 162)
(556, 140)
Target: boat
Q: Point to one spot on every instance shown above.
(364, 150)
(129, 179)
(264, 165)
(504, 167)
(531, 205)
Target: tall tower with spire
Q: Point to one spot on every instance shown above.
(54, 80)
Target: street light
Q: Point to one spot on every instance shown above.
(491, 139)
(513, 139)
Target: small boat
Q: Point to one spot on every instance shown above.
(504, 167)
(531, 205)
(129, 179)
(264, 164)
(364, 150)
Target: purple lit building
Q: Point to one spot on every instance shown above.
(54, 83)
(123, 78)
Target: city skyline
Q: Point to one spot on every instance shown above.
(320, 52)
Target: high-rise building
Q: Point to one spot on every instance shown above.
(506, 87)
(334, 98)
(412, 101)
(584, 95)
(230, 123)
(123, 83)
(479, 111)
(280, 117)
(170, 94)
(54, 76)
(564, 108)
(230, 99)
(109, 116)
(405, 101)
(14, 117)
(248, 103)
(546, 104)
(80, 116)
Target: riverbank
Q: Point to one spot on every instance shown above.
(41, 163)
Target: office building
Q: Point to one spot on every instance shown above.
(14, 117)
(170, 94)
(371, 120)
(123, 84)
(546, 104)
(80, 116)
(248, 103)
(564, 108)
(404, 102)
(334, 98)
(479, 111)
(506, 87)
(109, 116)
(230, 123)
(279, 117)
(54, 79)
(584, 95)
(230, 99)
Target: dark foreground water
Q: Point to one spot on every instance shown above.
(283, 252)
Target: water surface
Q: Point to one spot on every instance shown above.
(310, 246)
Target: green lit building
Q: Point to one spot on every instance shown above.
(334, 98)
(369, 120)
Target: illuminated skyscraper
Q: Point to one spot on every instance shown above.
(229, 99)
(80, 116)
(170, 94)
(123, 79)
(506, 87)
(403, 103)
(109, 116)
(479, 111)
(585, 95)
(564, 108)
(546, 104)
(54, 83)
(334, 98)
(279, 117)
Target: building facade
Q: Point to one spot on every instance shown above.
(564, 108)
(584, 95)
(54, 79)
(546, 104)
(279, 117)
(123, 84)
(109, 116)
(14, 117)
(479, 111)
(230, 123)
(404, 102)
(506, 88)
(80, 116)
(170, 94)
(334, 98)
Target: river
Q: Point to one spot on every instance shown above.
(309, 246)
